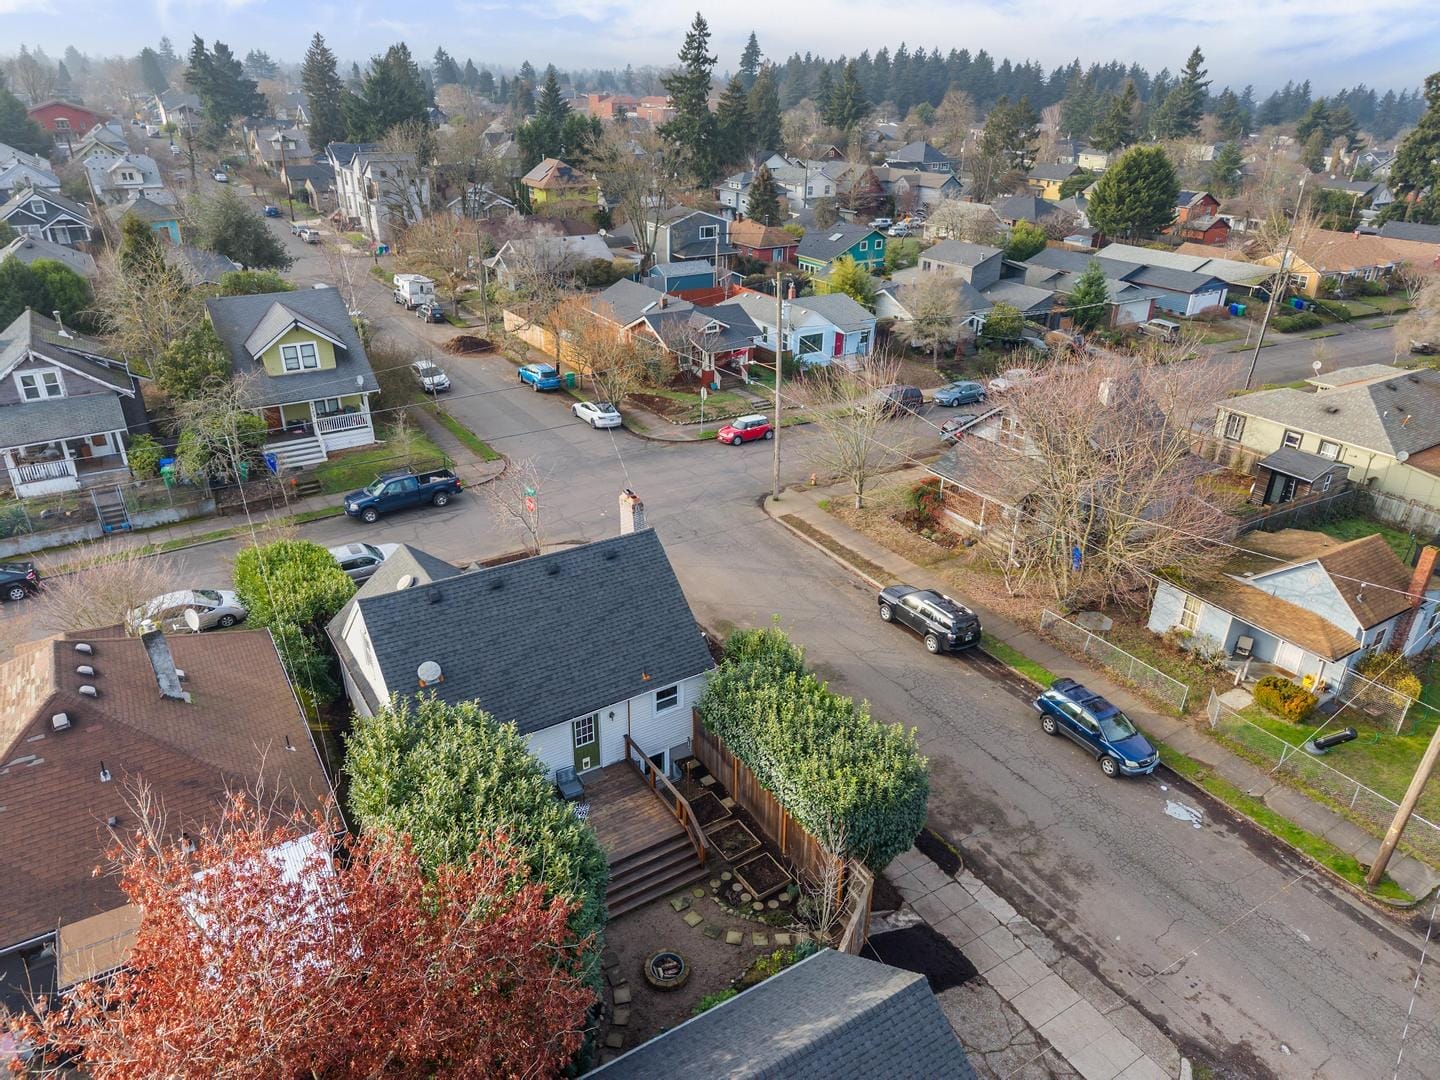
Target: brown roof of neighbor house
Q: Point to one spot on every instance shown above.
(1327, 250)
(1291, 622)
(750, 233)
(243, 719)
(552, 174)
(1357, 566)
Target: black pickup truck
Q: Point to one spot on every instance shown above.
(401, 490)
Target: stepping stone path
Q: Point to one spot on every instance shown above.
(782, 939)
(697, 893)
(759, 939)
(693, 918)
(616, 979)
(711, 932)
(725, 875)
(622, 995)
(707, 781)
(744, 897)
(621, 1018)
(679, 903)
(608, 959)
(714, 883)
(615, 1040)
(728, 803)
(734, 937)
(773, 905)
(758, 905)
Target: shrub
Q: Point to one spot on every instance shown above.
(291, 581)
(1301, 320)
(922, 506)
(145, 454)
(1391, 671)
(709, 1001)
(858, 786)
(1285, 699)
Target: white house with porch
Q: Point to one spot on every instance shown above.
(65, 408)
(306, 370)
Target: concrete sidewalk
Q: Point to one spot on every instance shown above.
(1415, 877)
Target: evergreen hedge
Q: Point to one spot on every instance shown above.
(839, 773)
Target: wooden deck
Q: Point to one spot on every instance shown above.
(625, 814)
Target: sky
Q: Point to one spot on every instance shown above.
(1263, 42)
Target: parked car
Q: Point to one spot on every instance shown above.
(213, 608)
(1163, 329)
(1098, 726)
(310, 236)
(430, 312)
(598, 414)
(959, 393)
(900, 228)
(952, 429)
(540, 376)
(897, 398)
(175, 151)
(18, 580)
(220, 176)
(401, 490)
(296, 228)
(1424, 348)
(360, 561)
(746, 429)
(1009, 379)
(430, 376)
(882, 223)
(271, 211)
(945, 624)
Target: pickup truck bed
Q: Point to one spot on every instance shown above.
(400, 491)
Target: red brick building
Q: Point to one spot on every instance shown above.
(65, 120)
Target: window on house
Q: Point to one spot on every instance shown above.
(667, 698)
(301, 356)
(864, 245)
(327, 406)
(1292, 440)
(39, 385)
(862, 341)
(1377, 643)
(62, 124)
(1190, 614)
(810, 344)
(709, 232)
(879, 244)
(37, 207)
(1234, 425)
(1330, 450)
(584, 730)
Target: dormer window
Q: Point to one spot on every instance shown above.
(299, 357)
(37, 207)
(709, 232)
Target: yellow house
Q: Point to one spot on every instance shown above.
(553, 182)
(1325, 253)
(1378, 420)
(1046, 180)
(305, 371)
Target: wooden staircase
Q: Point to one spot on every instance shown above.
(651, 873)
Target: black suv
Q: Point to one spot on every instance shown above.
(18, 580)
(898, 399)
(944, 624)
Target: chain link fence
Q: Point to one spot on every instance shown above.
(1294, 765)
(1117, 661)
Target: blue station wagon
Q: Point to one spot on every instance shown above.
(1097, 725)
(540, 376)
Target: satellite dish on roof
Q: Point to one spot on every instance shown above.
(406, 580)
(192, 619)
(429, 673)
(1403, 455)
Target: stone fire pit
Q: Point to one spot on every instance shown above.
(667, 970)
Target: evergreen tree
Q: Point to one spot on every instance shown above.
(1312, 154)
(1229, 116)
(152, 71)
(763, 202)
(852, 279)
(732, 124)
(1117, 130)
(446, 71)
(1387, 117)
(749, 62)
(527, 72)
(258, 65)
(1026, 240)
(522, 98)
(763, 106)
(63, 86)
(226, 93)
(1136, 195)
(1227, 171)
(551, 107)
(167, 52)
(1180, 113)
(825, 96)
(1316, 118)
(1343, 125)
(320, 79)
(848, 106)
(692, 132)
(484, 82)
(1012, 133)
(392, 94)
(1089, 301)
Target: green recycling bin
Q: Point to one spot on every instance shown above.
(167, 475)
(570, 380)
(244, 471)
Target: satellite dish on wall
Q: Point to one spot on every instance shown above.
(192, 619)
(429, 673)
(1403, 455)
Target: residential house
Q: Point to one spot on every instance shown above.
(201, 266)
(1410, 230)
(895, 300)
(163, 218)
(679, 277)
(316, 183)
(119, 178)
(832, 1014)
(548, 256)
(1034, 302)
(819, 330)
(1238, 276)
(1341, 256)
(655, 110)
(954, 219)
(105, 138)
(65, 120)
(274, 148)
(1306, 604)
(763, 242)
(478, 201)
(1092, 160)
(977, 264)
(733, 192)
(305, 367)
(20, 170)
(921, 155)
(1046, 179)
(553, 184)
(488, 635)
(1386, 427)
(48, 215)
(294, 108)
(681, 234)
(1179, 292)
(86, 718)
(704, 342)
(803, 182)
(1367, 194)
(1194, 205)
(30, 248)
(177, 107)
(610, 106)
(1289, 476)
(819, 249)
(377, 191)
(1031, 208)
(66, 404)
(915, 189)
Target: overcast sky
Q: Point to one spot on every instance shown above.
(1264, 42)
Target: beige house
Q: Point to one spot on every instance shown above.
(1381, 421)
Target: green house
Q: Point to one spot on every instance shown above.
(820, 248)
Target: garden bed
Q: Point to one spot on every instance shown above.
(707, 808)
(732, 840)
(762, 876)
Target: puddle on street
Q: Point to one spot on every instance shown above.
(1181, 812)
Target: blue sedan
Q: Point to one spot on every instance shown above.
(1068, 708)
(540, 376)
(271, 211)
(960, 393)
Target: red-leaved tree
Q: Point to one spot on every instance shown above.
(260, 955)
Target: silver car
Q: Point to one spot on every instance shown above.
(430, 376)
(598, 414)
(213, 608)
(360, 561)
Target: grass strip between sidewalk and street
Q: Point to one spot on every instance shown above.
(845, 554)
(1016, 661)
(467, 437)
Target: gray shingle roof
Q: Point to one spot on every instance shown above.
(1411, 230)
(682, 269)
(837, 308)
(959, 253)
(29, 248)
(1049, 171)
(404, 560)
(1292, 462)
(831, 1015)
(236, 317)
(1025, 208)
(31, 332)
(920, 151)
(626, 301)
(60, 418)
(822, 245)
(1389, 416)
(544, 640)
(680, 327)
(1025, 297)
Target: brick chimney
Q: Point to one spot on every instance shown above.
(632, 512)
(163, 664)
(1419, 582)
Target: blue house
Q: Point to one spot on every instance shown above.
(163, 220)
(820, 248)
(674, 277)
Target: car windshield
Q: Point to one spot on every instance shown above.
(377, 487)
(210, 596)
(1117, 727)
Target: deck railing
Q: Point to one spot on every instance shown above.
(44, 470)
(328, 425)
(667, 793)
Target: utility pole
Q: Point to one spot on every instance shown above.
(1282, 278)
(1403, 812)
(779, 368)
(285, 177)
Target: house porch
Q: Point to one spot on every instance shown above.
(66, 464)
(307, 432)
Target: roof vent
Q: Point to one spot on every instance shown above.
(406, 580)
(497, 584)
(429, 673)
(1332, 408)
(85, 669)
(83, 647)
(113, 821)
(435, 596)
(104, 773)
(60, 721)
(89, 691)
(552, 569)
(611, 556)
(180, 674)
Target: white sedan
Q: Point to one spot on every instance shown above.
(212, 607)
(597, 414)
(1009, 379)
(220, 176)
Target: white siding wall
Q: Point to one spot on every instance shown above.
(358, 639)
(554, 746)
(655, 733)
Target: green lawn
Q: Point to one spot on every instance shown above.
(1354, 528)
(689, 409)
(356, 468)
(465, 435)
(1016, 661)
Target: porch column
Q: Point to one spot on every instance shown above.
(119, 438)
(65, 449)
(10, 467)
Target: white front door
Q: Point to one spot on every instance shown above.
(1288, 657)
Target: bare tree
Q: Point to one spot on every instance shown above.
(114, 582)
(975, 223)
(143, 310)
(640, 179)
(348, 273)
(614, 362)
(441, 247)
(1421, 324)
(933, 303)
(852, 418)
(954, 118)
(219, 434)
(514, 496)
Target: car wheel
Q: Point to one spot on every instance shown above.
(370, 515)
(592, 425)
(735, 441)
(886, 613)
(932, 643)
(227, 621)
(1110, 767)
(575, 411)
(1048, 725)
(15, 592)
(535, 386)
(770, 434)
(441, 498)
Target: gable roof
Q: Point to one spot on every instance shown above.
(1194, 258)
(903, 283)
(553, 174)
(823, 245)
(147, 210)
(29, 248)
(1299, 463)
(838, 309)
(1027, 298)
(1411, 230)
(1049, 171)
(830, 1015)
(959, 253)
(52, 831)
(498, 633)
(682, 269)
(405, 561)
(920, 151)
(1190, 198)
(1025, 208)
(682, 327)
(750, 233)
(1329, 250)
(626, 302)
(56, 201)
(1357, 566)
(36, 334)
(201, 266)
(278, 320)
